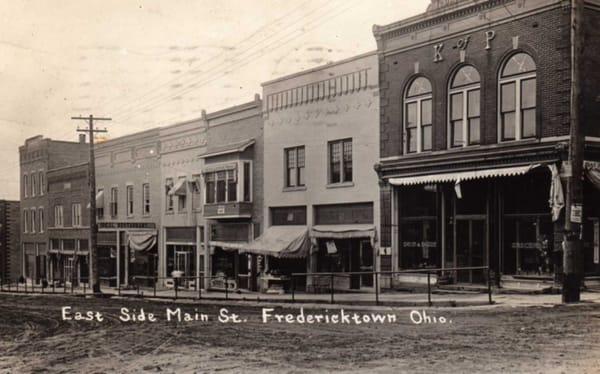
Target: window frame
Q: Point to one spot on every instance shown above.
(59, 216)
(296, 169)
(25, 185)
(342, 161)
(41, 219)
(169, 200)
(146, 208)
(130, 201)
(33, 217)
(76, 218)
(41, 182)
(517, 80)
(418, 100)
(114, 202)
(463, 90)
(25, 221)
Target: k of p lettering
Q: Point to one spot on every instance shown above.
(437, 49)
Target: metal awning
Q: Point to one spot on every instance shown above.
(462, 176)
(179, 188)
(281, 242)
(343, 231)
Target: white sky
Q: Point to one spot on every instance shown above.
(153, 63)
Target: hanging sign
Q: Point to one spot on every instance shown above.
(576, 213)
(331, 248)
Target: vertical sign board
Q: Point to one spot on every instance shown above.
(596, 242)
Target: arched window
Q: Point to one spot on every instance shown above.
(518, 98)
(417, 116)
(465, 107)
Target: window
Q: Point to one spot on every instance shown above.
(58, 216)
(464, 112)
(114, 202)
(418, 116)
(247, 182)
(182, 196)
(42, 183)
(294, 167)
(518, 98)
(76, 215)
(100, 203)
(221, 186)
(129, 201)
(33, 220)
(170, 200)
(196, 196)
(33, 184)
(41, 219)
(340, 161)
(146, 198)
(26, 185)
(25, 220)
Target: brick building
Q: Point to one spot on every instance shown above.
(321, 193)
(37, 156)
(128, 198)
(68, 224)
(232, 177)
(10, 249)
(474, 126)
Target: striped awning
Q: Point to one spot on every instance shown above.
(462, 176)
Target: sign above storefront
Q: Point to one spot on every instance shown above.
(126, 225)
(576, 213)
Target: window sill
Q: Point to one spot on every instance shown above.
(295, 188)
(169, 212)
(340, 185)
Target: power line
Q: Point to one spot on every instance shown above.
(226, 70)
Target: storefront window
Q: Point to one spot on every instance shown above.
(181, 258)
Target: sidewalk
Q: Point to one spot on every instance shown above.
(357, 300)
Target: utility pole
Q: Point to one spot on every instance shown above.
(94, 276)
(573, 244)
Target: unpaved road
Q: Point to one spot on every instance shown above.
(34, 338)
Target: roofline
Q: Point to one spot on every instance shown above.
(67, 167)
(123, 137)
(236, 108)
(320, 67)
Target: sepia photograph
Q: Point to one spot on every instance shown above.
(300, 186)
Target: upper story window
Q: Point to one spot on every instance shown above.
(517, 114)
(25, 185)
(221, 185)
(100, 203)
(417, 116)
(465, 107)
(42, 182)
(196, 194)
(169, 197)
(146, 198)
(41, 219)
(33, 220)
(76, 215)
(340, 161)
(114, 202)
(58, 216)
(294, 166)
(181, 194)
(33, 184)
(129, 201)
(25, 220)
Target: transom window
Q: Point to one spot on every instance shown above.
(417, 116)
(465, 107)
(518, 98)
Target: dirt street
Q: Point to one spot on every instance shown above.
(34, 338)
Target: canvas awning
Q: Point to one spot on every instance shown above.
(142, 241)
(462, 176)
(343, 231)
(179, 188)
(280, 242)
(227, 246)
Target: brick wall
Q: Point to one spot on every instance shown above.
(591, 73)
(544, 35)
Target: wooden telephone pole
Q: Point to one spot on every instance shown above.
(94, 276)
(573, 244)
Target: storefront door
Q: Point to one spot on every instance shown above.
(470, 248)
(182, 262)
(366, 263)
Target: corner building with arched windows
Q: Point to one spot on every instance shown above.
(475, 129)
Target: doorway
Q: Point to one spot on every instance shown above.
(470, 248)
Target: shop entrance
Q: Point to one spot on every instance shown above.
(366, 263)
(470, 248)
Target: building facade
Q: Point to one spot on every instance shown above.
(181, 203)
(37, 156)
(232, 177)
(321, 192)
(474, 126)
(128, 203)
(10, 249)
(68, 224)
